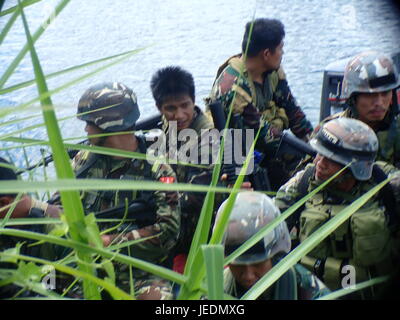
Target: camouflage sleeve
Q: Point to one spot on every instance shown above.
(166, 228)
(309, 286)
(298, 122)
(233, 90)
(287, 194)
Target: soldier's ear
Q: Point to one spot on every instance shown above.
(266, 53)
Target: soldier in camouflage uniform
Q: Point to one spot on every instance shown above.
(366, 240)
(173, 90)
(256, 89)
(27, 207)
(368, 89)
(117, 112)
(251, 212)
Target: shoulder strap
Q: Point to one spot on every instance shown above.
(81, 172)
(294, 220)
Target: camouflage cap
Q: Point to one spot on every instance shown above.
(251, 212)
(369, 72)
(347, 140)
(118, 106)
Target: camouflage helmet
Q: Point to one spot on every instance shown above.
(123, 110)
(345, 141)
(369, 72)
(251, 212)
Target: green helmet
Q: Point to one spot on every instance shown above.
(123, 110)
(251, 212)
(345, 141)
(369, 72)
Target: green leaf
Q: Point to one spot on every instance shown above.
(214, 261)
(11, 68)
(71, 200)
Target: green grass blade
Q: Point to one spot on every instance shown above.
(343, 292)
(61, 72)
(15, 8)
(101, 184)
(214, 261)
(70, 200)
(310, 243)
(106, 253)
(8, 25)
(13, 65)
(115, 292)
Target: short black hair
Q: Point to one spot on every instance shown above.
(7, 174)
(266, 34)
(170, 82)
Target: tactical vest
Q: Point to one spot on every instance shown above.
(363, 241)
(271, 113)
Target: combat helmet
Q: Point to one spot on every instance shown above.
(347, 140)
(251, 212)
(369, 72)
(118, 106)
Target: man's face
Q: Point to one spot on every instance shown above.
(325, 168)
(372, 107)
(273, 59)
(92, 130)
(179, 109)
(248, 275)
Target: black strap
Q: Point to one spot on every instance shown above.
(387, 196)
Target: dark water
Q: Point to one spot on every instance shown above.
(198, 35)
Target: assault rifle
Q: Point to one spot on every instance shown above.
(140, 214)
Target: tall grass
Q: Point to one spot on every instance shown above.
(79, 232)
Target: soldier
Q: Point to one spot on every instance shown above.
(251, 212)
(255, 87)
(117, 112)
(368, 89)
(26, 207)
(365, 241)
(173, 90)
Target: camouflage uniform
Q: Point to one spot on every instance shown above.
(271, 103)
(112, 107)
(371, 72)
(166, 227)
(363, 241)
(296, 284)
(192, 202)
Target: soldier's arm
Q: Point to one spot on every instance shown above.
(165, 230)
(298, 123)
(234, 92)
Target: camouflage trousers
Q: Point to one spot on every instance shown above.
(146, 286)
